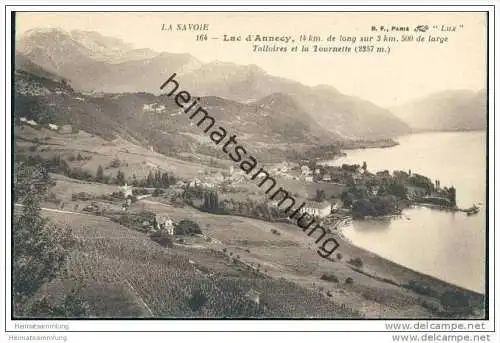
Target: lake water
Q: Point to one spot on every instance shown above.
(449, 246)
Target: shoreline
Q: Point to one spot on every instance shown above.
(386, 261)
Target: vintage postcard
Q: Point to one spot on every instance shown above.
(251, 165)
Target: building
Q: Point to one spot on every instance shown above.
(327, 178)
(198, 183)
(305, 171)
(164, 223)
(284, 167)
(53, 127)
(317, 209)
(308, 179)
(253, 296)
(195, 182)
(127, 191)
(337, 204)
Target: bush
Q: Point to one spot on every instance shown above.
(81, 196)
(157, 192)
(162, 238)
(329, 277)
(135, 221)
(276, 232)
(197, 300)
(421, 289)
(349, 281)
(339, 256)
(187, 227)
(456, 302)
(357, 262)
(115, 163)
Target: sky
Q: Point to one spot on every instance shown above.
(411, 70)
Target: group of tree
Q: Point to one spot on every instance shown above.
(208, 200)
(451, 194)
(374, 206)
(156, 179)
(352, 168)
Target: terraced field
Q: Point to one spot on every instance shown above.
(124, 273)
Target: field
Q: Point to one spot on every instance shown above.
(122, 269)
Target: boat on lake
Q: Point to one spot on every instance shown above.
(472, 210)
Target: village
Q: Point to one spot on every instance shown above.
(333, 195)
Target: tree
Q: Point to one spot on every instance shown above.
(365, 166)
(120, 178)
(452, 195)
(39, 248)
(99, 175)
(197, 300)
(320, 195)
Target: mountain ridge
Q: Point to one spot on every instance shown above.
(449, 110)
(343, 115)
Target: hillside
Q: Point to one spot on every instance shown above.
(452, 110)
(155, 120)
(102, 64)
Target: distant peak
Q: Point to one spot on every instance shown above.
(249, 68)
(324, 87)
(44, 30)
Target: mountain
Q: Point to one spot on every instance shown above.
(93, 62)
(343, 115)
(24, 64)
(452, 110)
(109, 49)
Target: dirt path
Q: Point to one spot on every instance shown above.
(143, 303)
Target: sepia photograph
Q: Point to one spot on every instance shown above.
(256, 165)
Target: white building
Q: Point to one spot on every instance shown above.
(127, 191)
(308, 179)
(317, 209)
(305, 171)
(53, 127)
(165, 223)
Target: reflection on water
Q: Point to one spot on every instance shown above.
(448, 245)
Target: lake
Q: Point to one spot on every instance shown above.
(450, 246)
